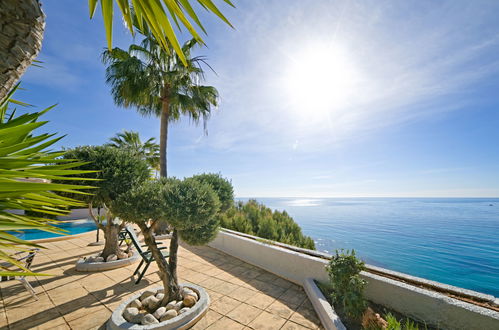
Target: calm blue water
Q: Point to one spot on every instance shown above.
(72, 227)
(449, 240)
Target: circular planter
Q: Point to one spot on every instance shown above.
(82, 266)
(182, 321)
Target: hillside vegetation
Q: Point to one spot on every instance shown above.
(256, 219)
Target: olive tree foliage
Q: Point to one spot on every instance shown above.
(190, 206)
(221, 186)
(118, 171)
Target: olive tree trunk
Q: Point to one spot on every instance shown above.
(111, 240)
(110, 230)
(22, 24)
(170, 282)
(172, 260)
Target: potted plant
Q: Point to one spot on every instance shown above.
(191, 207)
(118, 171)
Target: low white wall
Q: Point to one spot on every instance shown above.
(434, 308)
(77, 214)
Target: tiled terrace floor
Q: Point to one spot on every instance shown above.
(242, 296)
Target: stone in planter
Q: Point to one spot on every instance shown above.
(111, 257)
(183, 310)
(147, 293)
(151, 303)
(188, 292)
(189, 301)
(168, 315)
(94, 263)
(159, 312)
(171, 305)
(170, 319)
(122, 255)
(130, 314)
(160, 296)
(178, 306)
(136, 303)
(149, 319)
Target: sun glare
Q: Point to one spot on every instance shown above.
(320, 81)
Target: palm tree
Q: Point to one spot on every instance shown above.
(148, 150)
(23, 25)
(155, 82)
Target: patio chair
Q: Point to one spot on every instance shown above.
(26, 258)
(146, 256)
(122, 235)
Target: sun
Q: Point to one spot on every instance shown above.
(320, 80)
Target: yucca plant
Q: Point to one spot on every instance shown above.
(27, 169)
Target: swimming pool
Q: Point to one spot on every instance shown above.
(72, 227)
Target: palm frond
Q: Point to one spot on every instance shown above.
(153, 16)
(26, 172)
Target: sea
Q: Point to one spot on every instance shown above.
(450, 240)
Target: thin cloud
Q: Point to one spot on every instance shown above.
(414, 66)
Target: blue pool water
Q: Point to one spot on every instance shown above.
(449, 240)
(72, 227)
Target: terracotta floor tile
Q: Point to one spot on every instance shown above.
(214, 295)
(207, 320)
(224, 305)
(267, 321)
(55, 324)
(211, 283)
(281, 308)
(242, 294)
(293, 326)
(306, 317)
(260, 300)
(225, 288)
(226, 323)
(293, 296)
(27, 319)
(239, 292)
(95, 320)
(244, 313)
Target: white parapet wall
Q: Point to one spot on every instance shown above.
(77, 214)
(427, 305)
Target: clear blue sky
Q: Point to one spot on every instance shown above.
(318, 98)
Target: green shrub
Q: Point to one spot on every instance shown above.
(348, 287)
(222, 187)
(394, 324)
(256, 219)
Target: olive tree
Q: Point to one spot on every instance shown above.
(189, 206)
(118, 171)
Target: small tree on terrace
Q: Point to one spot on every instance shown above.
(119, 170)
(190, 206)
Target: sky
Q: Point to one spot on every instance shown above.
(317, 98)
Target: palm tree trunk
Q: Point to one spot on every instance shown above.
(163, 138)
(22, 24)
(162, 227)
